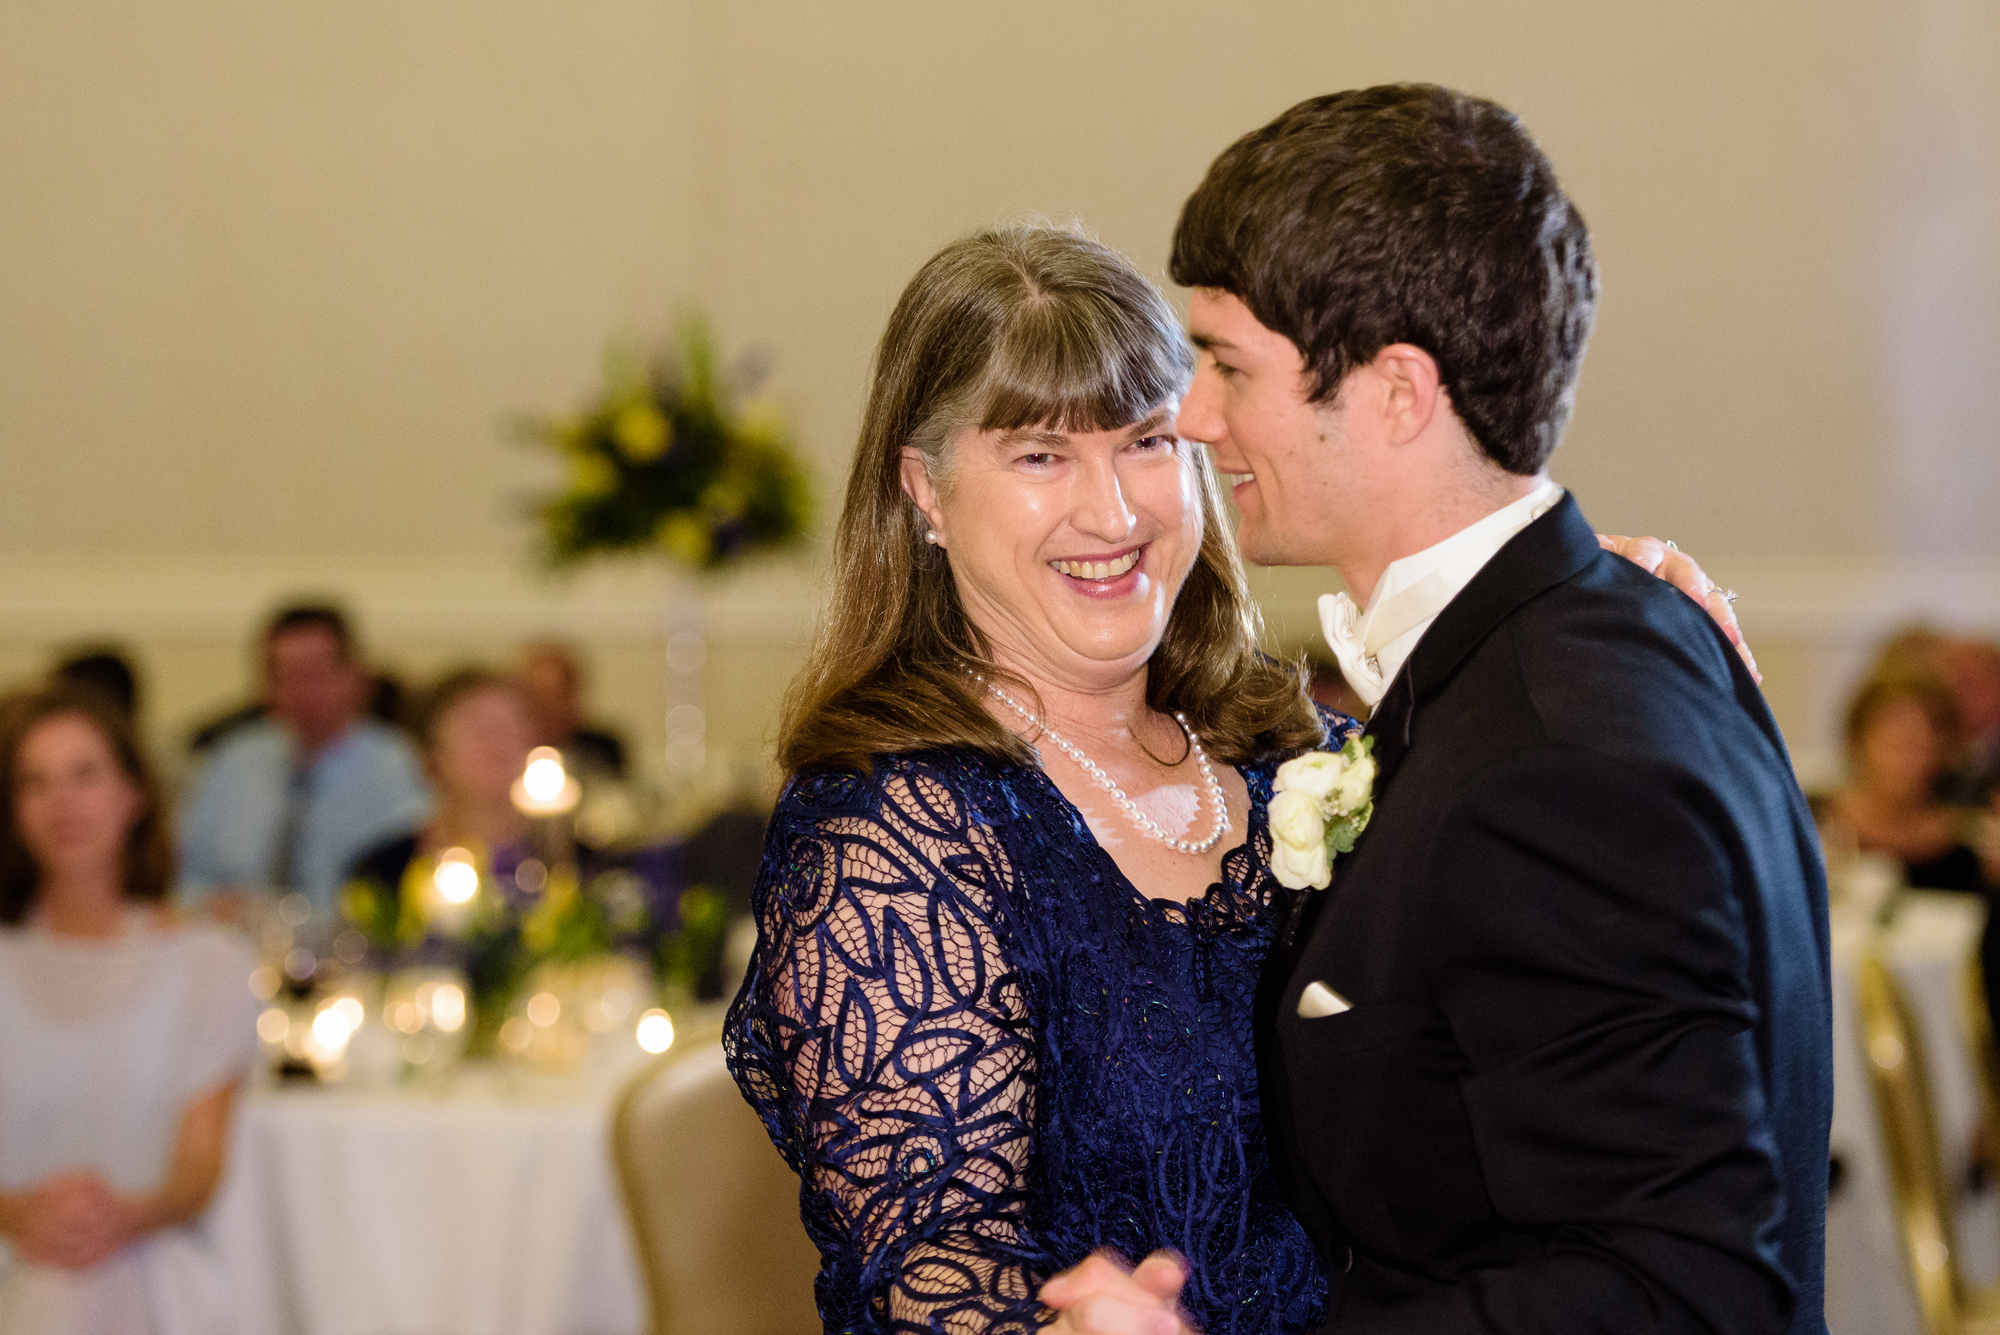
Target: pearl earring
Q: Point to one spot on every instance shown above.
(931, 537)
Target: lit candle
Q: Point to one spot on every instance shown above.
(455, 883)
(545, 788)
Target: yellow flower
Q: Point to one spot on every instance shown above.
(411, 920)
(762, 421)
(539, 927)
(592, 475)
(640, 432)
(686, 537)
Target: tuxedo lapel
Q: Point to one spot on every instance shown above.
(1389, 725)
(1536, 559)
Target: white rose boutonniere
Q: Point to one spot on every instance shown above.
(1320, 804)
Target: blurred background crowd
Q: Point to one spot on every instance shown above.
(335, 759)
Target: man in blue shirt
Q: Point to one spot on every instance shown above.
(287, 802)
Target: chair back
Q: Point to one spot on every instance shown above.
(714, 1207)
(1977, 1017)
(1895, 1061)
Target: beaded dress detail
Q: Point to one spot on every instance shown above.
(987, 1054)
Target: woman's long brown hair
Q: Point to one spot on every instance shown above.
(1027, 326)
(149, 849)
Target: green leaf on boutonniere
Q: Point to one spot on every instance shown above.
(1342, 831)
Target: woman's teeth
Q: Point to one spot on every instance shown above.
(1097, 569)
(1234, 480)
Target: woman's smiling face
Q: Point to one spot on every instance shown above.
(1068, 548)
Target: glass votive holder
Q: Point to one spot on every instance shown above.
(428, 1013)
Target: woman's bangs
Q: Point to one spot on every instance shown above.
(1082, 370)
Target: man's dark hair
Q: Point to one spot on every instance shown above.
(1407, 213)
(104, 669)
(321, 616)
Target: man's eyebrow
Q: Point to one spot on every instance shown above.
(1209, 342)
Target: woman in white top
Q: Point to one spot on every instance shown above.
(123, 1040)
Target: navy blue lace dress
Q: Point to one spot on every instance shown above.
(987, 1054)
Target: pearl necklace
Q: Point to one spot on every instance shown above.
(1146, 824)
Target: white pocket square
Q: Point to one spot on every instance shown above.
(1318, 999)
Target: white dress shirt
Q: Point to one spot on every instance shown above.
(1371, 644)
(365, 786)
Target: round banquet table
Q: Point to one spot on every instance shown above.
(1934, 935)
(484, 1211)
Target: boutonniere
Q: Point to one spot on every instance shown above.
(1320, 804)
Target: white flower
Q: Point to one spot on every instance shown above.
(1299, 856)
(1310, 867)
(1356, 788)
(1296, 818)
(1321, 802)
(1315, 772)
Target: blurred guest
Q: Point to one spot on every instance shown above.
(289, 800)
(1914, 651)
(1972, 669)
(476, 730)
(388, 702)
(385, 704)
(208, 733)
(1901, 735)
(123, 1040)
(554, 679)
(106, 670)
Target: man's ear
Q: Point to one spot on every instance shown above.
(917, 486)
(1408, 390)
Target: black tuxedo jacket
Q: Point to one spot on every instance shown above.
(1585, 1082)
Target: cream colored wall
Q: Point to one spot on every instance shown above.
(275, 278)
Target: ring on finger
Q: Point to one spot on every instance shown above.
(1672, 546)
(1727, 595)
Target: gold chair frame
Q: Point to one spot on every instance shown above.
(1892, 1046)
(1978, 1021)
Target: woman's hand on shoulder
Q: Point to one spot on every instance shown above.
(1677, 568)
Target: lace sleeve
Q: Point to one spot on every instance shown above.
(888, 1044)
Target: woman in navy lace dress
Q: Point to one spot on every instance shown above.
(1015, 897)
(995, 1019)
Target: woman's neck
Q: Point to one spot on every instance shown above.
(490, 824)
(82, 904)
(1114, 713)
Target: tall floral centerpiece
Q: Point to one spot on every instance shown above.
(670, 458)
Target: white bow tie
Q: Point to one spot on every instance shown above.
(1356, 639)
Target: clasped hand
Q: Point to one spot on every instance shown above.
(1103, 1296)
(72, 1221)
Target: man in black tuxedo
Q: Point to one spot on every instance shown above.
(1552, 1052)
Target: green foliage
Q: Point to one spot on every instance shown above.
(570, 923)
(497, 944)
(374, 908)
(665, 460)
(1342, 831)
(686, 954)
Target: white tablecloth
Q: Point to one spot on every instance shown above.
(1868, 1288)
(398, 1213)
